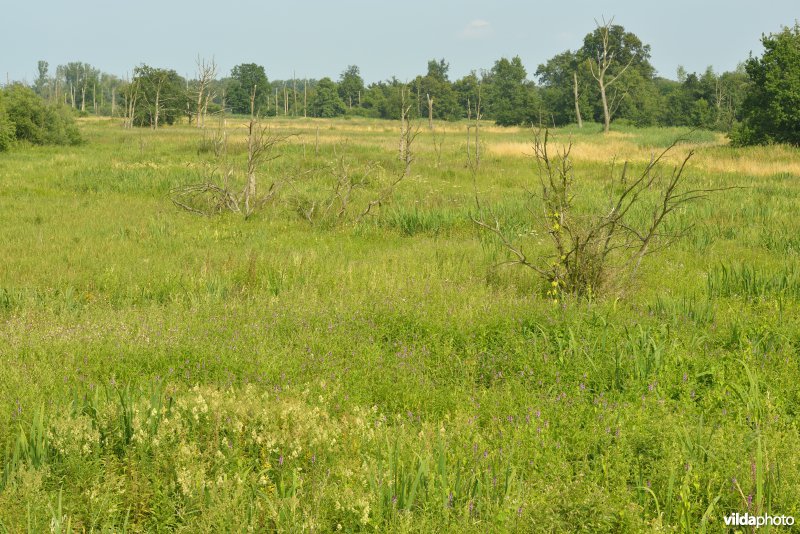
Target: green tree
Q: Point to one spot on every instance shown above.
(326, 102)
(466, 90)
(79, 81)
(42, 83)
(436, 86)
(619, 63)
(240, 87)
(509, 96)
(162, 96)
(771, 109)
(33, 120)
(7, 130)
(558, 78)
(351, 86)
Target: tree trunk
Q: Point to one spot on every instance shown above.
(604, 99)
(250, 188)
(158, 105)
(430, 111)
(477, 129)
(577, 104)
(294, 95)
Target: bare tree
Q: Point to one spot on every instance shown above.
(430, 111)
(131, 96)
(599, 67)
(220, 193)
(577, 99)
(352, 195)
(474, 161)
(260, 142)
(408, 133)
(206, 72)
(586, 250)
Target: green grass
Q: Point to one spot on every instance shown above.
(163, 371)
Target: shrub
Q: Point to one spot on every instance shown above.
(6, 127)
(587, 251)
(33, 120)
(772, 107)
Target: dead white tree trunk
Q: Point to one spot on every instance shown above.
(407, 133)
(430, 110)
(206, 71)
(599, 67)
(477, 128)
(577, 97)
(250, 186)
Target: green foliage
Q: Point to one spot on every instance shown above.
(436, 85)
(28, 118)
(771, 109)
(557, 81)
(162, 96)
(326, 102)
(240, 88)
(178, 373)
(7, 131)
(510, 98)
(351, 86)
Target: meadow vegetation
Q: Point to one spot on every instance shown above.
(161, 370)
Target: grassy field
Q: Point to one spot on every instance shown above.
(163, 371)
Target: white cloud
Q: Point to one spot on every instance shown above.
(477, 29)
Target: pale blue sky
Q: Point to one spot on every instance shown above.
(317, 38)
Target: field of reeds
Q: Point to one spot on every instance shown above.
(164, 371)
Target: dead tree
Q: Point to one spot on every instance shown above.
(206, 72)
(220, 195)
(349, 197)
(577, 99)
(430, 111)
(260, 143)
(599, 68)
(593, 250)
(408, 133)
(131, 96)
(474, 160)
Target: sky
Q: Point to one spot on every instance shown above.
(317, 38)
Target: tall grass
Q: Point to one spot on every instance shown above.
(160, 371)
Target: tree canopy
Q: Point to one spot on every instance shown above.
(771, 108)
(24, 116)
(243, 79)
(327, 102)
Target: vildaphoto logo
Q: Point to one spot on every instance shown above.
(747, 520)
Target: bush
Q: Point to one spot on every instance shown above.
(6, 127)
(26, 117)
(771, 109)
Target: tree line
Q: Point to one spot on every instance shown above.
(608, 79)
